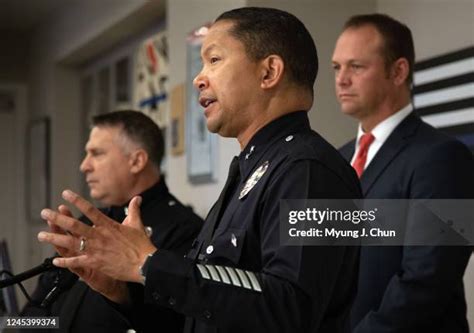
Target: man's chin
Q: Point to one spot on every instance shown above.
(212, 126)
(96, 196)
(349, 110)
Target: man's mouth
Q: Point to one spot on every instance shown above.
(206, 101)
(346, 95)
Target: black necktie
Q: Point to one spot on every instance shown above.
(233, 180)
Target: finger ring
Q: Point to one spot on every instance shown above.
(82, 245)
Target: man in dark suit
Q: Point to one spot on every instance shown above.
(123, 157)
(398, 156)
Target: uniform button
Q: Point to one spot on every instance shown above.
(172, 301)
(247, 156)
(148, 231)
(207, 314)
(289, 138)
(156, 296)
(171, 203)
(210, 249)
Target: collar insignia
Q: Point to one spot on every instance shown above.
(253, 180)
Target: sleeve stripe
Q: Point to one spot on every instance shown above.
(243, 278)
(223, 274)
(253, 281)
(214, 274)
(203, 271)
(233, 276)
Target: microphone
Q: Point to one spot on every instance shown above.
(45, 266)
(64, 281)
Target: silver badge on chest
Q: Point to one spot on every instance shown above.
(253, 180)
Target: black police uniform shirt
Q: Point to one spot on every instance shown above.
(243, 279)
(81, 309)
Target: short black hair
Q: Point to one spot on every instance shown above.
(137, 127)
(397, 38)
(266, 31)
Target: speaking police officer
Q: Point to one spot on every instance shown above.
(256, 84)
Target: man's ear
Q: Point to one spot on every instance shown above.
(272, 68)
(138, 160)
(400, 70)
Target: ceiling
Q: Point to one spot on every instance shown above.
(25, 15)
(20, 18)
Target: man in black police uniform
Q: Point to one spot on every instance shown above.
(256, 84)
(123, 157)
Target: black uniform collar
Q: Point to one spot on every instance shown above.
(278, 129)
(156, 192)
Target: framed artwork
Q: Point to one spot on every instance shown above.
(201, 144)
(151, 78)
(177, 120)
(38, 172)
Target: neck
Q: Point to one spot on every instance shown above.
(384, 111)
(143, 182)
(275, 106)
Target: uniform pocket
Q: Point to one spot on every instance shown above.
(227, 246)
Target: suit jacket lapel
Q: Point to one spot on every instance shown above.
(394, 144)
(347, 151)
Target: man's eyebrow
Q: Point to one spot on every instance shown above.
(208, 49)
(92, 149)
(345, 61)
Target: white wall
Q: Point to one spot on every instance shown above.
(438, 26)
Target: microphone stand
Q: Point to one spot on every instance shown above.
(45, 266)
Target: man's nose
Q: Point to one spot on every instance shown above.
(342, 77)
(200, 82)
(85, 165)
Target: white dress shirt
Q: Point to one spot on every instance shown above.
(381, 132)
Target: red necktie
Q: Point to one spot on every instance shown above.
(364, 144)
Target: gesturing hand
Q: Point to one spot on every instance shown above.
(114, 249)
(111, 288)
